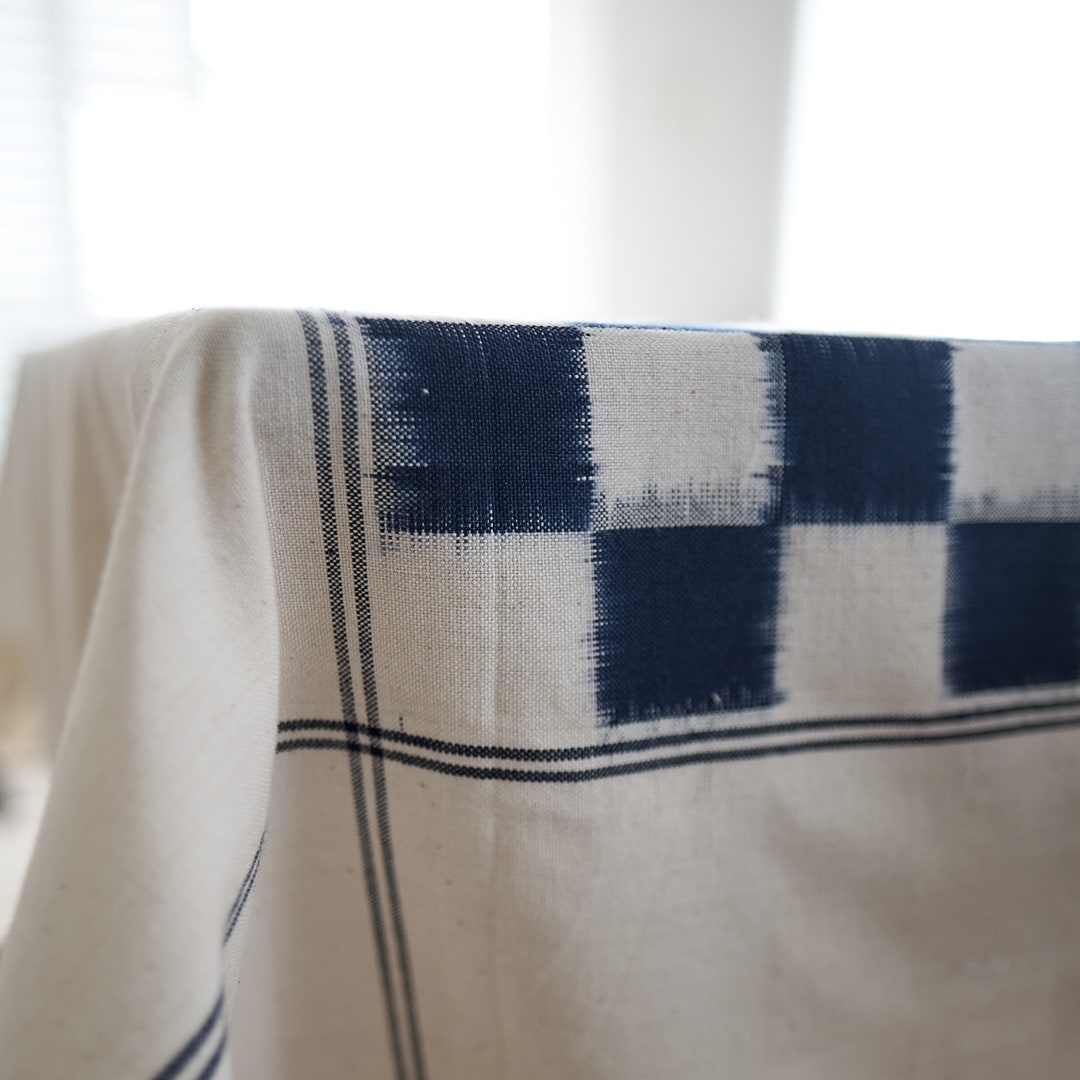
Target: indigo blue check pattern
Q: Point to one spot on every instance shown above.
(790, 444)
(479, 429)
(491, 695)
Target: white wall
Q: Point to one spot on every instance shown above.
(934, 169)
(669, 130)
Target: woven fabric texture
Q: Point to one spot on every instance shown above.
(436, 700)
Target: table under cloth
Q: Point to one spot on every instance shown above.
(459, 700)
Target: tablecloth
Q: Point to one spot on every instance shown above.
(442, 699)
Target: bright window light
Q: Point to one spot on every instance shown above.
(934, 170)
(383, 156)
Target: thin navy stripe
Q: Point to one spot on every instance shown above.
(245, 891)
(324, 470)
(350, 428)
(191, 1047)
(682, 738)
(321, 430)
(211, 1066)
(574, 776)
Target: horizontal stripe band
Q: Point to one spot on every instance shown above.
(740, 753)
(683, 738)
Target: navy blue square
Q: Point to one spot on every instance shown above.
(1013, 615)
(685, 620)
(868, 426)
(479, 429)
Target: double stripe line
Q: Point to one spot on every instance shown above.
(627, 756)
(214, 1023)
(377, 858)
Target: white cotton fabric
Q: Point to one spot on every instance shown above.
(446, 896)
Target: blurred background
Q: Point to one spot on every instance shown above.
(906, 166)
(896, 166)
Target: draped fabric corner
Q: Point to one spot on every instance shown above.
(460, 699)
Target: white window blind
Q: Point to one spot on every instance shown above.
(35, 249)
(70, 69)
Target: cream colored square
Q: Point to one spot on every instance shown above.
(684, 429)
(486, 638)
(1016, 432)
(803, 917)
(861, 619)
